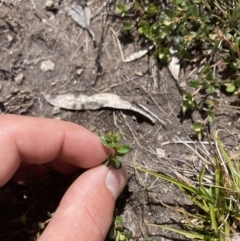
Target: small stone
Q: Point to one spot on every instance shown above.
(139, 73)
(9, 38)
(47, 65)
(134, 118)
(183, 84)
(49, 5)
(19, 78)
(14, 91)
(50, 30)
(160, 153)
(159, 137)
(79, 71)
(237, 124)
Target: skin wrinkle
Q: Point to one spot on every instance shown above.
(63, 140)
(21, 159)
(99, 227)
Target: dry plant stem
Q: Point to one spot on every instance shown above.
(152, 100)
(151, 113)
(34, 6)
(118, 84)
(115, 123)
(118, 42)
(130, 129)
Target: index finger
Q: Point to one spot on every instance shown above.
(38, 140)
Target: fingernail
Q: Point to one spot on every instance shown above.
(116, 180)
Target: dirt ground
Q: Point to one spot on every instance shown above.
(42, 50)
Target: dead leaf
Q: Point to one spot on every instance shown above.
(81, 14)
(94, 102)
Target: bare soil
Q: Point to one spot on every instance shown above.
(43, 50)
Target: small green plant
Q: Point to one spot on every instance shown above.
(216, 198)
(117, 231)
(111, 140)
(201, 31)
(121, 9)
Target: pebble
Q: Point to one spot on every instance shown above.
(159, 137)
(14, 91)
(47, 65)
(49, 4)
(19, 78)
(79, 71)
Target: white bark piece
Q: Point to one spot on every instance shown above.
(174, 64)
(94, 102)
(137, 55)
(161, 153)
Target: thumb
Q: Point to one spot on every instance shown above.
(86, 210)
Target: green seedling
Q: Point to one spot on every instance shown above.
(117, 231)
(111, 140)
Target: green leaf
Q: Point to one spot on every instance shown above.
(179, 184)
(41, 225)
(197, 127)
(230, 88)
(210, 89)
(213, 218)
(187, 96)
(184, 109)
(127, 26)
(193, 83)
(106, 142)
(112, 233)
(170, 13)
(187, 234)
(211, 117)
(115, 163)
(166, 22)
(118, 220)
(117, 137)
(121, 9)
(151, 10)
(122, 237)
(110, 139)
(123, 150)
(193, 10)
(117, 238)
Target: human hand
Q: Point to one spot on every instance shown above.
(86, 210)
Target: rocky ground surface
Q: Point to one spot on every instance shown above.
(43, 51)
